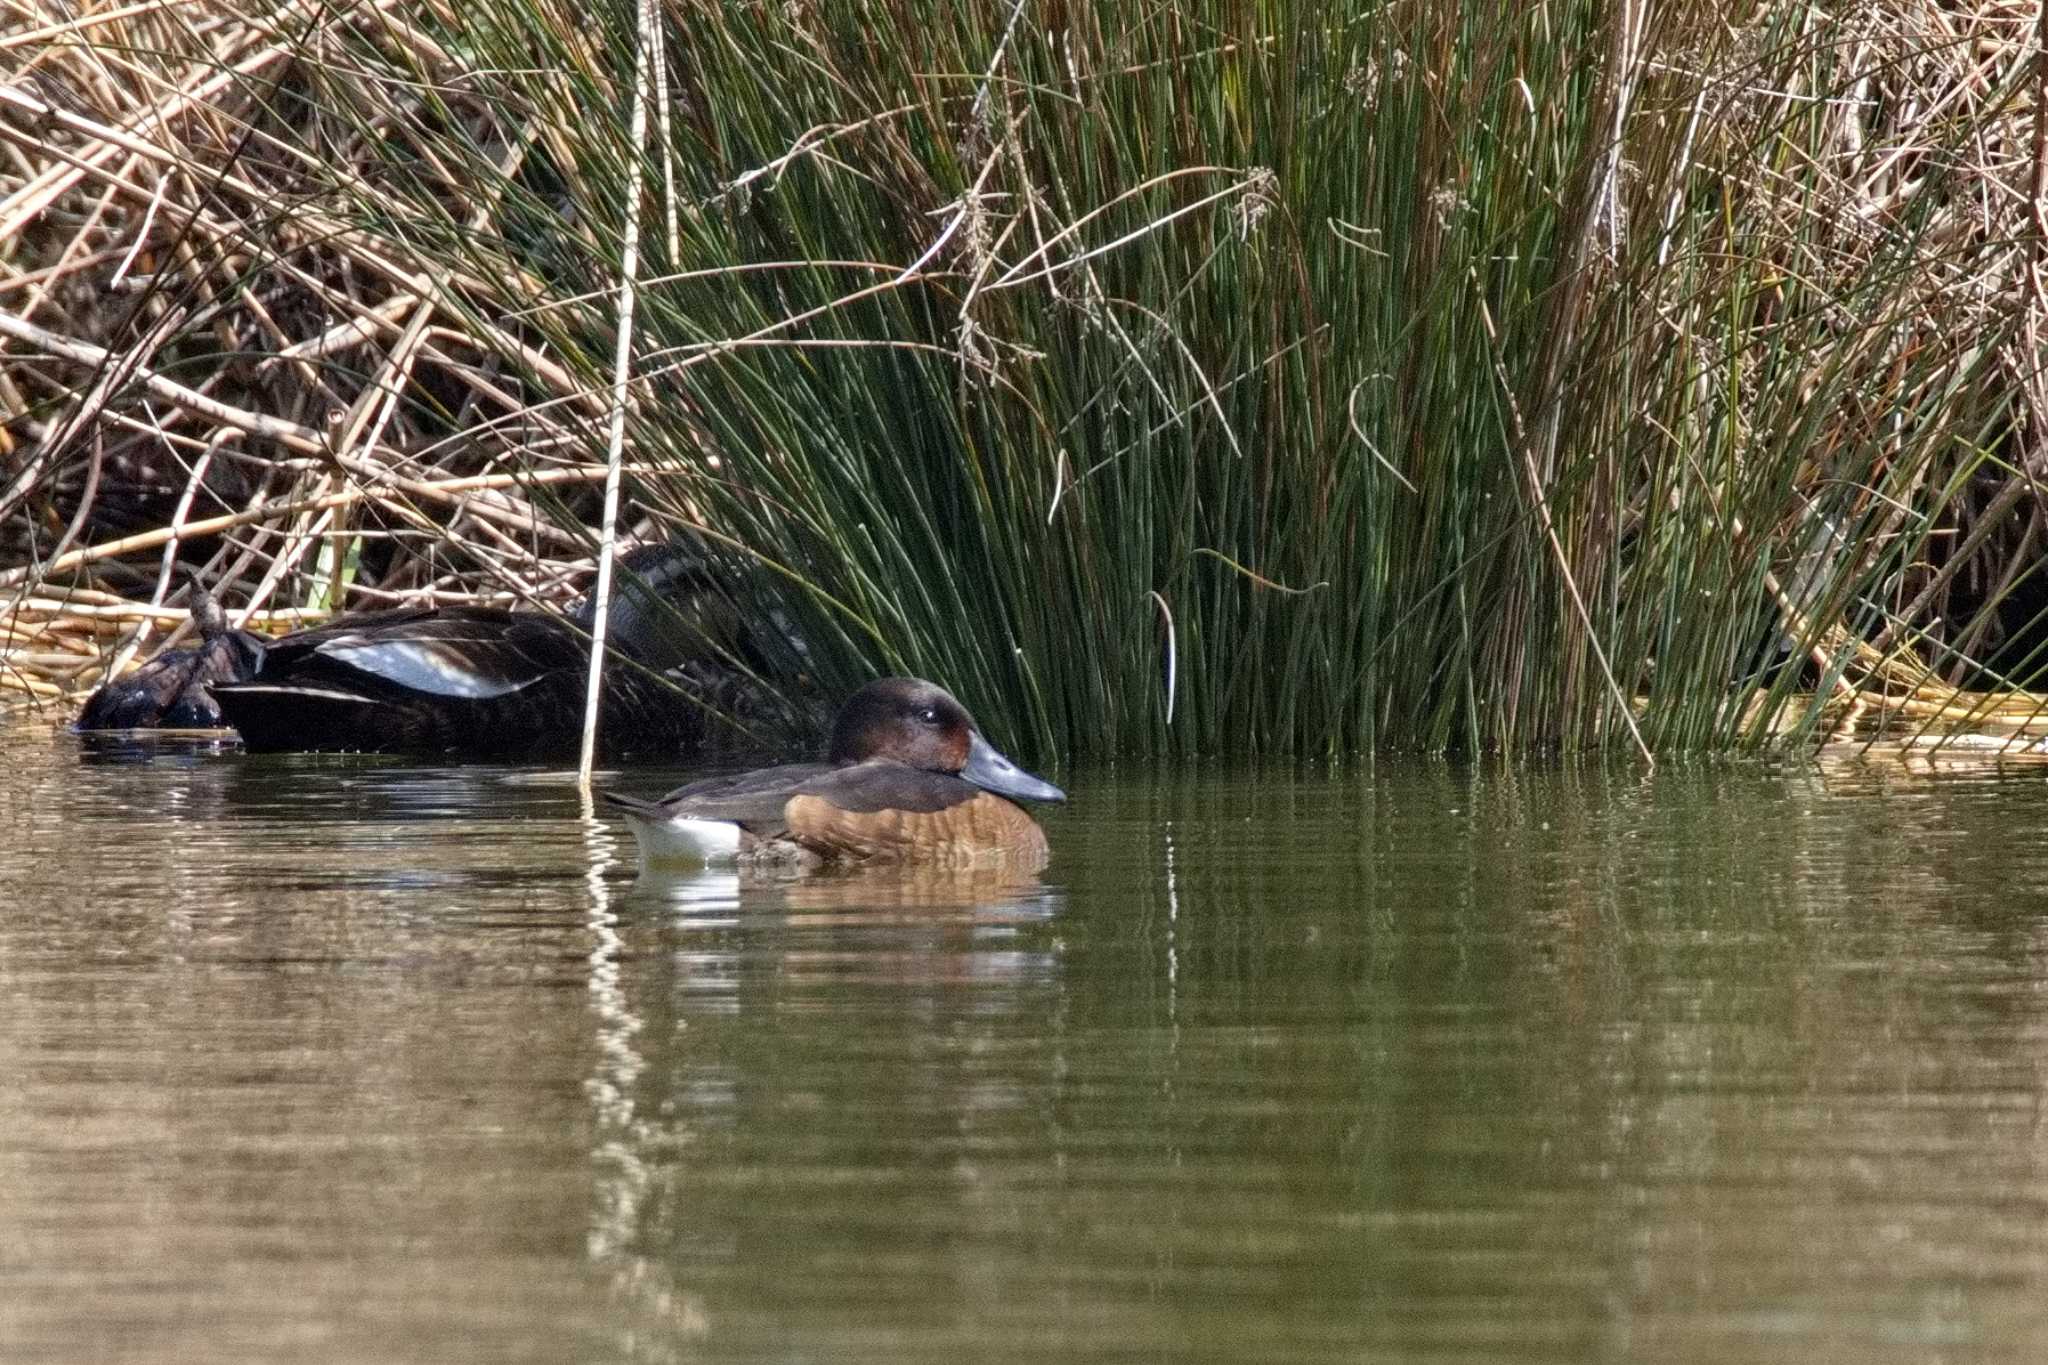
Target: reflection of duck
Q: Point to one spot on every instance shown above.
(173, 691)
(866, 894)
(908, 779)
(484, 682)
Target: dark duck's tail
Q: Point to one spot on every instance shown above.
(489, 683)
(174, 691)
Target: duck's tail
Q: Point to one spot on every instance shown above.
(170, 692)
(206, 613)
(667, 840)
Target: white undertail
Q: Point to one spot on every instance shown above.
(683, 842)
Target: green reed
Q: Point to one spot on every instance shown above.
(1339, 353)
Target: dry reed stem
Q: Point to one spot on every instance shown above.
(647, 55)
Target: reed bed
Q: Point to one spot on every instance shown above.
(1209, 377)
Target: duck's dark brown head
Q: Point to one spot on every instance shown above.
(920, 724)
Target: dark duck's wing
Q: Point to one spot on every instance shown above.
(174, 690)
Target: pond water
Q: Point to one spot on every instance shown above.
(329, 1059)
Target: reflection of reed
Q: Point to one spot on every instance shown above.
(619, 1064)
(622, 1177)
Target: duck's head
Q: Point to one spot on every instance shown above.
(920, 724)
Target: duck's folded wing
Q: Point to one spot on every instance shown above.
(470, 654)
(761, 796)
(755, 799)
(884, 784)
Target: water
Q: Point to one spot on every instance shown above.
(330, 1059)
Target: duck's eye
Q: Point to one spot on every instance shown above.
(928, 716)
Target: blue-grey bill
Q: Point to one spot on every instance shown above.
(990, 771)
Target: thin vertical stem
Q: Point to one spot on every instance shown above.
(647, 54)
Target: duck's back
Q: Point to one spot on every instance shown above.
(753, 800)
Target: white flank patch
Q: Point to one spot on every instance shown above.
(440, 672)
(684, 842)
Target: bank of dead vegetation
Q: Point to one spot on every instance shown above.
(1194, 377)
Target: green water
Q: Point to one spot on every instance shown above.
(323, 1060)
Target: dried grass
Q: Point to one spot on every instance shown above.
(205, 361)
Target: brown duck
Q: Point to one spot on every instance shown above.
(908, 779)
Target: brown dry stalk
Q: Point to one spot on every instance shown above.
(448, 490)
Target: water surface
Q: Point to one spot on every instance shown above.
(348, 1059)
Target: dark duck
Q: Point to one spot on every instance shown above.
(490, 683)
(908, 779)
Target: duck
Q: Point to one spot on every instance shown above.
(908, 778)
(477, 681)
(691, 636)
(174, 691)
(489, 683)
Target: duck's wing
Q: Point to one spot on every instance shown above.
(753, 799)
(460, 653)
(761, 797)
(883, 784)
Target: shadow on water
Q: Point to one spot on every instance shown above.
(353, 1059)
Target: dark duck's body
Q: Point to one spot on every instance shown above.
(472, 680)
(489, 683)
(908, 779)
(173, 691)
(484, 682)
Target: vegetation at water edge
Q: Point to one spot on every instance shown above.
(1285, 378)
